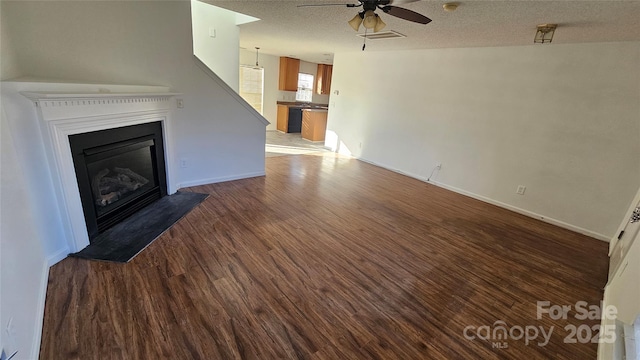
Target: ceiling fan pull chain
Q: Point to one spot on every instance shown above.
(364, 42)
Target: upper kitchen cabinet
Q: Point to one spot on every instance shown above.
(323, 79)
(289, 69)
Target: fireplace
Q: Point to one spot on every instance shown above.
(119, 171)
(70, 111)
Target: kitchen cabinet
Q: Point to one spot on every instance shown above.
(314, 124)
(289, 119)
(283, 118)
(288, 78)
(323, 79)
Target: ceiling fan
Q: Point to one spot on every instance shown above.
(370, 20)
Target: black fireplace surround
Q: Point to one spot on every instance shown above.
(119, 171)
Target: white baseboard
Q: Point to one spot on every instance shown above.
(518, 210)
(37, 327)
(42, 297)
(57, 256)
(532, 214)
(220, 179)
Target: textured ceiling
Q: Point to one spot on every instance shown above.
(312, 32)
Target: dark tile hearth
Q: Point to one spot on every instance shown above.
(124, 241)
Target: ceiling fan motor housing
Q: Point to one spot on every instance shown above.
(374, 4)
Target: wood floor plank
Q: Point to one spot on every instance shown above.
(328, 258)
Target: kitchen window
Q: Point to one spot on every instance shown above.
(305, 87)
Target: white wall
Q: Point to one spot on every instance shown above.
(271, 65)
(24, 128)
(563, 120)
(23, 267)
(219, 53)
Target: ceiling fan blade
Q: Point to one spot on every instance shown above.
(405, 14)
(317, 5)
(400, 2)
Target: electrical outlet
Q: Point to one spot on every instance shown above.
(521, 189)
(439, 166)
(180, 103)
(184, 163)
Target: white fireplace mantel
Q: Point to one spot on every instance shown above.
(64, 114)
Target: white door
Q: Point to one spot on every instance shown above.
(629, 233)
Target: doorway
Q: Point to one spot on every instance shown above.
(252, 86)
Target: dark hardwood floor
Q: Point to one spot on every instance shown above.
(328, 258)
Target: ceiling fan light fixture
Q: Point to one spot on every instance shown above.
(450, 7)
(370, 19)
(379, 24)
(356, 21)
(545, 32)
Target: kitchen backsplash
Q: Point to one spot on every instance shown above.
(291, 96)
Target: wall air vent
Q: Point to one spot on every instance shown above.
(382, 35)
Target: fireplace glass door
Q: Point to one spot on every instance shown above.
(121, 174)
(119, 171)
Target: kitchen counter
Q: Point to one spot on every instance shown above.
(314, 124)
(303, 105)
(290, 115)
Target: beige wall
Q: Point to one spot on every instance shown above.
(8, 64)
(219, 53)
(563, 120)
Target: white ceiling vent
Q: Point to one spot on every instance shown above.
(382, 35)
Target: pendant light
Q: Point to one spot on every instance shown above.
(257, 48)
